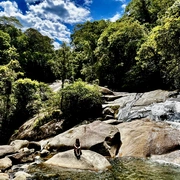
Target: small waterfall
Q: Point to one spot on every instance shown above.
(124, 112)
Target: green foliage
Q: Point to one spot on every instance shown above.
(61, 64)
(139, 52)
(80, 101)
(8, 75)
(38, 51)
(84, 41)
(159, 56)
(27, 97)
(147, 11)
(7, 52)
(116, 51)
(9, 21)
(30, 96)
(20, 99)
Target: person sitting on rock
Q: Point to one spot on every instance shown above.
(77, 149)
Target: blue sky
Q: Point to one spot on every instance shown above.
(56, 18)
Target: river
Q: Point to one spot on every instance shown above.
(126, 168)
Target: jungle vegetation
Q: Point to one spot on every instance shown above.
(137, 53)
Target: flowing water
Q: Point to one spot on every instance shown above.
(122, 169)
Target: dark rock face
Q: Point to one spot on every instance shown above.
(34, 145)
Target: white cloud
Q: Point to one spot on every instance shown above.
(56, 45)
(30, 1)
(9, 7)
(48, 16)
(124, 6)
(59, 10)
(88, 2)
(115, 17)
(123, 1)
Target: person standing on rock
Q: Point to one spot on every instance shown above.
(77, 149)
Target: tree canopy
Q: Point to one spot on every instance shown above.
(139, 52)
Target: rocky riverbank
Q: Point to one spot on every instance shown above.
(143, 125)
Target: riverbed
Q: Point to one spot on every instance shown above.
(126, 168)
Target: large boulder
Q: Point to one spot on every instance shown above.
(21, 175)
(105, 91)
(4, 176)
(6, 149)
(97, 136)
(144, 138)
(23, 156)
(172, 157)
(151, 97)
(154, 104)
(5, 163)
(89, 161)
(28, 131)
(18, 144)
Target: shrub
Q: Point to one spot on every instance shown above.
(80, 101)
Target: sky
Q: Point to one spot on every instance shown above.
(56, 18)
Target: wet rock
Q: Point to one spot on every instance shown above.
(154, 104)
(172, 157)
(38, 160)
(169, 110)
(143, 138)
(5, 163)
(6, 149)
(151, 97)
(19, 167)
(89, 160)
(25, 155)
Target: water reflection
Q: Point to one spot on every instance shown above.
(122, 169)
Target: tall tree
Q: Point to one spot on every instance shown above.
(84, 42)
(7, 52)
(116, 51)
(147, 11)
(160, 53)
(34, 60)
(8, 75)
(10, 21)
(61, 63)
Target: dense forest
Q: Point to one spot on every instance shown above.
(139, 52)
